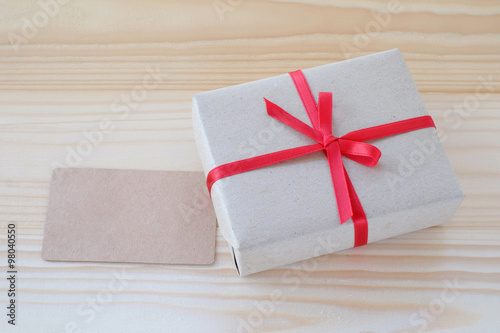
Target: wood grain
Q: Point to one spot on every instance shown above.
(77, 70)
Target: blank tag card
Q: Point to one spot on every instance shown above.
(131, 216)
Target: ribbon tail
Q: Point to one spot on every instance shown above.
(339, 182)
(359, 217)
(279, 114)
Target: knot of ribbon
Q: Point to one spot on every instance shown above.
(328, 139)
(351, 145)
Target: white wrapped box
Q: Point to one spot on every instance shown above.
(287, 212)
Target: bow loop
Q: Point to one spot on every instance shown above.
(325, 102)
(361, 152)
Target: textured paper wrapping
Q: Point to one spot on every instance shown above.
(287, 212)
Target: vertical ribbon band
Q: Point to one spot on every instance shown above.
(351, 145)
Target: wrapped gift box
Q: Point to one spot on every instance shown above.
(287, 212)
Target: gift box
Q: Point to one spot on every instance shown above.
(321, 160)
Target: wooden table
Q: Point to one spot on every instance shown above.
(65, 67)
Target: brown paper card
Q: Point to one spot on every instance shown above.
(134, 216)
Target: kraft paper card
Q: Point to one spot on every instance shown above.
(105, 215)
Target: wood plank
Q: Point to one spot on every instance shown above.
(77, 70)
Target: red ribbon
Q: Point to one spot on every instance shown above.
(350, 145)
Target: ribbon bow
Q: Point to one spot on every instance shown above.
(350, 145)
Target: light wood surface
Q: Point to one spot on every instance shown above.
(78, 67)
